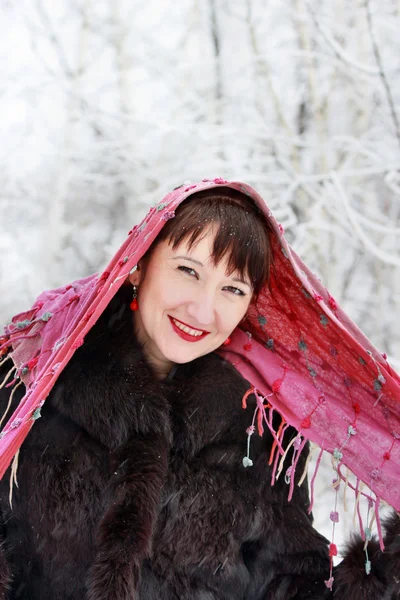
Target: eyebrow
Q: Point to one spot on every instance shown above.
(197, 262)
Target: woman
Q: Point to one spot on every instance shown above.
(142, 478)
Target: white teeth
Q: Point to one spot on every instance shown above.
(193, 332)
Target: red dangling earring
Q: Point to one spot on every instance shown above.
(247, 346)
(134, 304)
(227, 341)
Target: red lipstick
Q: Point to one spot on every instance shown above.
(186, 336)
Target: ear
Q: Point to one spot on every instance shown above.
(135, 277)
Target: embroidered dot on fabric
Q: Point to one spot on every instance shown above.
(329, 583)
(46, 317)
(332, 302)
(297, 442)
(332, 550)
(32, 363)
(169, 214)
(23, 324)
(104, 276)
(78, 343)
(89, 315)
(36, 414)
(334, 516)
(376, 474)
(337, 454)
(324, 320)
(262, 320)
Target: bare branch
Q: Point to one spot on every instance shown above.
(382, 73)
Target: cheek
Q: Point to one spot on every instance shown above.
(161, 292)
(231, 314)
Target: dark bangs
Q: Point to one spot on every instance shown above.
(241, 231)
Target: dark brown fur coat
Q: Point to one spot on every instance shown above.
(131, 488)
(383, 582)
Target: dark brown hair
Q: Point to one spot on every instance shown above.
(241, 231)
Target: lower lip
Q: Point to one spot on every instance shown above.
(186, 336)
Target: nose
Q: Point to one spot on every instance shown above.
(202, 308)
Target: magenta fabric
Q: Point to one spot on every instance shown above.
(301, 353)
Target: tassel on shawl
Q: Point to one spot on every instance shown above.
(13, 478)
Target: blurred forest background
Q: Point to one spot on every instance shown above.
(106, 105)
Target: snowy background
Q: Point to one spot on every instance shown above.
(107, 105)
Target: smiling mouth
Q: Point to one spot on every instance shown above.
(187, 333)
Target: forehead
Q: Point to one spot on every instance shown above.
(203, 246)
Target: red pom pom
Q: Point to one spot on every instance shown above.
(276, 386)
(104, 276)
(89, 315)
(32, 363)
(77, 344)
(247, 347)
(356, 408)
(332, 550)
(332, 303)
(306, 423)
(386, 456)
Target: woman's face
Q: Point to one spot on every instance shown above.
(187, 305)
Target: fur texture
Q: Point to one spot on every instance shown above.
(130, 488)
(383, 582)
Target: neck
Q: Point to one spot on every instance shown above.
(159, 364)
(161, 368)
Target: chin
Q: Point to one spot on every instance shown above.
(181, 355)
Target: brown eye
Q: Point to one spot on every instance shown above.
(234, 290)
(188, 270)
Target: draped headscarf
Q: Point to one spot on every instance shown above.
(302, 355)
